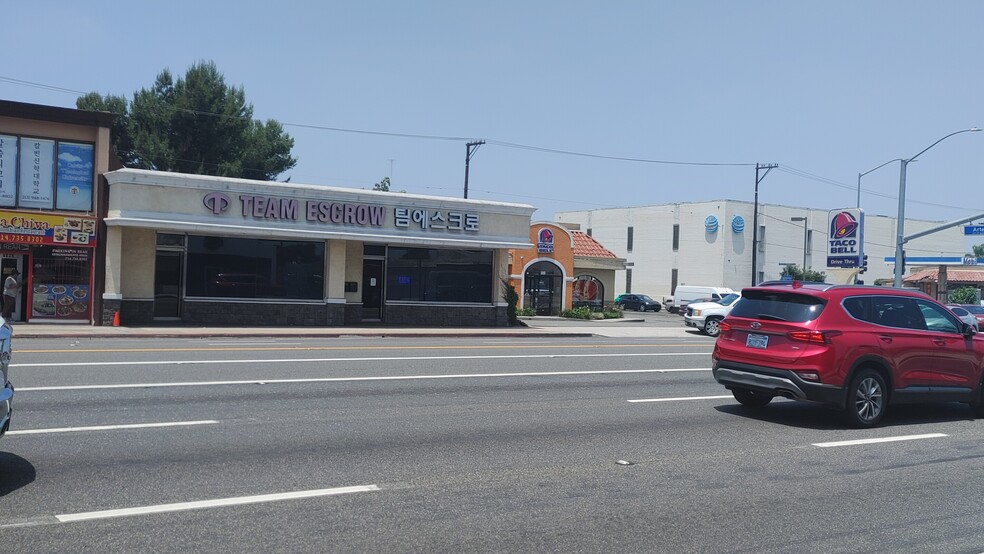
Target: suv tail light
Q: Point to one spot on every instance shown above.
(724, 329)
(814, 337)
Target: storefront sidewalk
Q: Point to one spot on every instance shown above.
(572, 329)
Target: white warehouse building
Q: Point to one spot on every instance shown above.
(710, 243)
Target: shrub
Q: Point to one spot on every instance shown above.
(512, 299)
(964, 295)
(583, 312)
(527, 311)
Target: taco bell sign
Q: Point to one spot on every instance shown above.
(845, 245)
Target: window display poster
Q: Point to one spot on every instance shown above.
(37, 159)
(8, 171)
(75, 176)
(58, 301)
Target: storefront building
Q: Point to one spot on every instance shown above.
(219, 251)
(50, 160)
(564, 268)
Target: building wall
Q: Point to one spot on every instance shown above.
(723, 258)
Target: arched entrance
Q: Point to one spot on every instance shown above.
(543, 288)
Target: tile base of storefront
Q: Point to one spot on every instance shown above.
(263, 314)
(141, 312)
(445, 316)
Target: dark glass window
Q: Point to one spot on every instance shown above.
(438, 275)
(230, 267)
(628, 239)
(164, 239)
(778, 306)
(676, 237)
(628, 280)
(373, 250)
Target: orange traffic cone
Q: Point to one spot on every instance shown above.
(116, 319)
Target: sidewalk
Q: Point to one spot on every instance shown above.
(536, 327)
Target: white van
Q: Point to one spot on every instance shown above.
(685, 294)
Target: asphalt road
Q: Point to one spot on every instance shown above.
(458, 445)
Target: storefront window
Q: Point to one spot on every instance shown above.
(60, 283)
(438, 275)
(229, 267)
(588, 291)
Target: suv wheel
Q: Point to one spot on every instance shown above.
(657, 308)
(712, 327)
(978, 404)
(866, 399)
(751, 398)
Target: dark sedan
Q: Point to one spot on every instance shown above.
(637, 302)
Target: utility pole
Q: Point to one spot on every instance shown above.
(755, 217)
(470, 149)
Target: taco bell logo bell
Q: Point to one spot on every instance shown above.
(846, 244)
(216, 202)
(544, 241)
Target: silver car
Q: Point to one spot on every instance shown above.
(7, 394)
(964, 315)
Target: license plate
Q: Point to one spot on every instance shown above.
(757, 341)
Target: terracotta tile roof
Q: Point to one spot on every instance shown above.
(588, 247)
(953, 275)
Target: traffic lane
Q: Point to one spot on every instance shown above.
(743, 497)
(46, 408)
(299, 365)
(418, 430)
(113, 351)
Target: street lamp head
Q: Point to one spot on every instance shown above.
(974, 129)
(797, 218)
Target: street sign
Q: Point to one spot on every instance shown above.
(973, 229)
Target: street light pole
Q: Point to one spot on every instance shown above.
(900, 224)
(805, 241)
(470, 149)
(869, 171)
(755, 216)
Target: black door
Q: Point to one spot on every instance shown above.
(167, 285)
(372, 289)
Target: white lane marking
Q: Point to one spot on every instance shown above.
(883, 439)
(237, 501)
(110, 427)
(377, 359)
(348, 379)
(251, 343)
(681, 398)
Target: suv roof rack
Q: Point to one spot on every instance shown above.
(794, 283)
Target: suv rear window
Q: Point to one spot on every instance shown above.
(778, 306)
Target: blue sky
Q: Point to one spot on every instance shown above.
(825, 89)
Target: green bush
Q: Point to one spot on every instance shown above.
(612, 314)
(527, 311)
(510, 296)
(583, 312)
(964, 295)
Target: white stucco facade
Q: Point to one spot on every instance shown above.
(724, 257)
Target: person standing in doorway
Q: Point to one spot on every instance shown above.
(11, 287)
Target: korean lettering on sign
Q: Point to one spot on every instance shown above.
(8, 170)
(37, 158)
(420, 218)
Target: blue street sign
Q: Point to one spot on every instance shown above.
(973, 229)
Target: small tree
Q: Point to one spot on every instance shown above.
(798, 274)
(979, 250)
(964, 295)
(512, 301)
(383, 186)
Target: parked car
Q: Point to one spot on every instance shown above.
(964, 315)
(686, 294)
(707, 316)
(638, 302)
(7, 394)
(853, 347)
(978, 312)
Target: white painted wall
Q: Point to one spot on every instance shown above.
(724, 258)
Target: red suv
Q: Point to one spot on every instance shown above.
(856, 348)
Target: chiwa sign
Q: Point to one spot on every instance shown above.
(845, 245)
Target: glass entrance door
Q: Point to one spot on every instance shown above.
(372, 289)
(167, 285)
